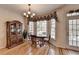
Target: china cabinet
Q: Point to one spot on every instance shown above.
(13, 33)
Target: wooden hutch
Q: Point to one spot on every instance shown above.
(13, 33)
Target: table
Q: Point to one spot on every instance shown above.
(37, 41)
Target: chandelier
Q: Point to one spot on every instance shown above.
(29, 14)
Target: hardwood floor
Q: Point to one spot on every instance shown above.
(26, 49)
(61, 51)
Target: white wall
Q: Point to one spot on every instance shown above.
(6, 15)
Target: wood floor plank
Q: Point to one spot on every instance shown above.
(27, 49)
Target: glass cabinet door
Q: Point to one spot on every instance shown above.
(19, 28)
(13, 28)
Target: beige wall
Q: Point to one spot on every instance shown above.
(61, 38)
(6, 15)
(61, 27)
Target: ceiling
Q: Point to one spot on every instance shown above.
(39, 9)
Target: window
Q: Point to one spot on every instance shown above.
(53, 28)
(74, 32)
(73, 13)
(31, 28)
(42, 28)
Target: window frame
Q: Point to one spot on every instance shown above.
(41, 28)
(33, 33)
(54, 29)
(72, 18)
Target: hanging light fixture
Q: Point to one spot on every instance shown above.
(29, 14)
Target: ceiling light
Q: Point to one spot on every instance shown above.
(29, 13)
(24, 14)
(33, 14)
(27, 16)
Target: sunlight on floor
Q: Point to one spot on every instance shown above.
(51, 51)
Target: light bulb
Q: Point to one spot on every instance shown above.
(33, 14)
(27, 16)
(29, 12)
(24, 14)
